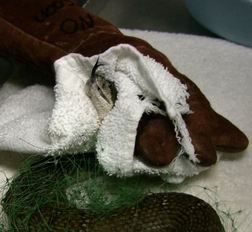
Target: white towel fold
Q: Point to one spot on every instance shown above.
(74, 124)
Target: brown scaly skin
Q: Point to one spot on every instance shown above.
(48, 208)
(160, 212)
(44, 31)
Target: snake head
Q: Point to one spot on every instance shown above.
(101, 92)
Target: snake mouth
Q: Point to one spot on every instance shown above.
(73, 193)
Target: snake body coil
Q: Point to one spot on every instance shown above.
(161, 212)
(36, 202)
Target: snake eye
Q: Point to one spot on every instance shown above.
(141, 97)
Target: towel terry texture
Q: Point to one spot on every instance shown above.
(78, 123)
(222, 70)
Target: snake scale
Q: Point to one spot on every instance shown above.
(155, 212)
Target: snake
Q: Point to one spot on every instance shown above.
(153, 212)
(159, 212)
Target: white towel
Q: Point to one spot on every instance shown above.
(74, 123)
(223, 71)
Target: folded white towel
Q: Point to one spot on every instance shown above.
(75, 124)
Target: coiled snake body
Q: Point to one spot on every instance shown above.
(40, 212)
(161, 212)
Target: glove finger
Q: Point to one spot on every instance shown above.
(201, 139)
(156, 144)
(204, 148)
(227, 137)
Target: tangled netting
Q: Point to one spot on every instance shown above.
(72, 193)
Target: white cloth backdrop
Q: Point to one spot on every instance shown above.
(223, 71)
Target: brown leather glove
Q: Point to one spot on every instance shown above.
(43, 31)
